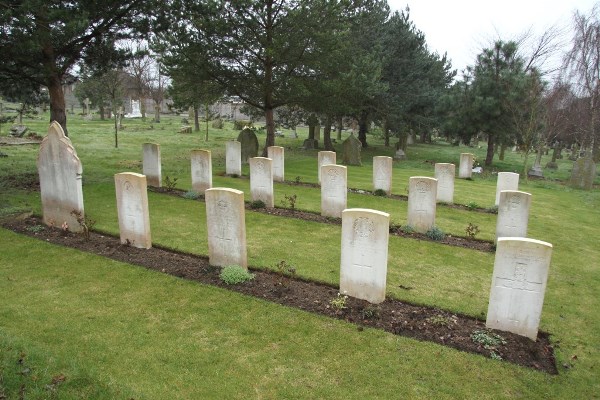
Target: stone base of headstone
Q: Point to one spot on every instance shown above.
(400, 155)
(552, 165)
(87, 117)
(310, 144)
(536, 171)
(18, 130)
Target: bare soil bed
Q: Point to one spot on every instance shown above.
(396, 317)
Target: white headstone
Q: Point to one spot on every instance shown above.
(60, 172)
(506, 181)
(151, 164)
(277, 154)
(445, 173)
(518, 285)
(422, 193)
(363, 271)
(261, 180)
(382, 173)
(324, 158)
(334, 190)
(465, 168)
(233, 158)
(226, 223)
(513, 214)
(135, 110)
(132, 209)
(201, 170)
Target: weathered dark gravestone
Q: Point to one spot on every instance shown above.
(310, 144)
(249, 142)
(583, 174)
(351, 149)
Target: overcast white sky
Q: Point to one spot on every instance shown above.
(462, 28)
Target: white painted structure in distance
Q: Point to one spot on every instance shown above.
(334, 190)
(444, 173)
(132, 209)
(233, 158)
(226, 223)
(382, 173)
(465, 167)
(506, 181)
(201, 170)
(151, 164)
(363, 267)
(518, 285)
(421, 203)
(261, 180)
(513, 214)
(277, 154)
(59, 170)
(324, 158)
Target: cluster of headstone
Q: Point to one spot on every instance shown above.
(520, 268)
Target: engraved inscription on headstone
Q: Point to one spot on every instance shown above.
(382, 173)
(513, 214)
(422, 203)
(444, 173)
(334, 190)
(132, 209)
(261, 180)
(324, 158)
(201, 170)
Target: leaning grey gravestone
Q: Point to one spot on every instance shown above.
(400, 155)
(151, 166)
(444, 173)
(422, 194)
(506, 181)
(226, 223)
(249, 142)
(518, 285)
(277, 154)
(132, 209)
(201, 170)
(324, 158)
(261, 180)
(382, 173)
(410, 139)
(334, 190)
(233, 158)
(310, 144)
(513, 214)
(87, 111)
(583, 174)
(363, 269)
(60, 170)
(351, 149)
(465, 168)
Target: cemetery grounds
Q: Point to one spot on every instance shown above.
(78, 325)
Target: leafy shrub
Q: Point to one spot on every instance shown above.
(285, 271)
(170, 183)
(436, 234)
(472, 206)
(234, 274)
(493, 210)
(407, 229)
(472, 230)
(238, 125)
(217, 123)
(191, 195)
(297, 180)
(380, 192)
(256, 204)
(370, 312)
(289, 200)
(339, 302)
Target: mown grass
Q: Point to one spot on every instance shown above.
(119, 331)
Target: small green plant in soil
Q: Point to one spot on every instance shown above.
(472, 205)
(472, 230)
(407, 229)
(234, 274)
(495, 356)
(256, 204)
(339, 302)
(371, 312)
(191, 195)
(290, 201)
(35, 228)
(441, 320)
(436, 234)
(493, 210)
(298, 180)
(489, 340)
(85, 222)
(380, 192)
(170, 183)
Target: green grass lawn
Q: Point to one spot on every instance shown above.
(75, 325)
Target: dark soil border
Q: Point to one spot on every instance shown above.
(400, 318)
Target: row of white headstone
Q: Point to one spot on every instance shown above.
(520, 268)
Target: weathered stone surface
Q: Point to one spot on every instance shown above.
(506, 181)
(400, 155)
(465, 168)
(310, 144)
(132, 209)
(261, 180)
(365, 237)
(249, 142)
(518, 285)
(382, 173)
(513, 214)
(422, 194)
(324, 158)
(444, 173)
(151, 164)
(201, 170)
(233, 158)
(60, 170)
(334, 190)
(277, 154)
(226, 223)
(351, 149)
(583, 174)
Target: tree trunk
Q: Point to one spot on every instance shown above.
(363, 128)
(386, 133)
(340, 126)
(311, 131)
(490, 150)
(57, 102)
(327, 134)
(270, 122)
(196, 119)
(206, 118)
(116, 130)
(502, 150)
(157, 112)
(143, 106)
(102, 113)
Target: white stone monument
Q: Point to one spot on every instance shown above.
(382, 173)
(233, 158)
(324, 158)
(422, 194)
(261, 180)
(506, 181)
(465, 168)
(135, 110)
(445, 173)
(132, 209)
(513, 214)
(334, 190)
(518, 285)
(363, 270)
(151, 166)
(277, 154)
(60, 170)
(226, 223)
(201, 170)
